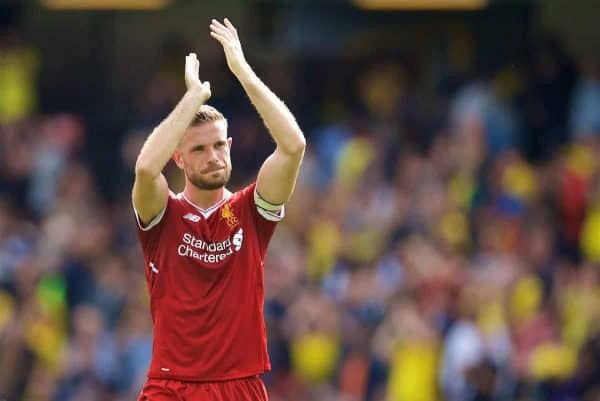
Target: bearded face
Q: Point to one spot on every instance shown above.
(204, 157)
(213, 177)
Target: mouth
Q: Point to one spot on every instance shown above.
(212, 170)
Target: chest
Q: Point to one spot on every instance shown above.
(198, 242)
(200, 259)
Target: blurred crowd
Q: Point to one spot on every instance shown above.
(443, 242)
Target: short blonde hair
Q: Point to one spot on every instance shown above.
(207, 114)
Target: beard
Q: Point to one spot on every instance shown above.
(208, 182)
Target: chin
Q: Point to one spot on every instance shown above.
(210, 185)
(210, 181)
(217, 183)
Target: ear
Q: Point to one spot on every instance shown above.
(229, 141)
(178, 158)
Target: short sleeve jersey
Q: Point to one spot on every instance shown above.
(204, 269)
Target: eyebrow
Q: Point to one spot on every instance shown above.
(219, 142)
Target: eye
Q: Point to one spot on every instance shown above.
(220, 144)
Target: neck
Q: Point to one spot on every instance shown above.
(203, 198)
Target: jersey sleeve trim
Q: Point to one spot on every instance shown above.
(152, 223)
(267, 210)
(271, 216)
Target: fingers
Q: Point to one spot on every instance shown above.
(228, 31)
(229, 25)
(192, 65)
(220, 38)
(189, 64)
(191, 59)
(218, 24)
(218, 28)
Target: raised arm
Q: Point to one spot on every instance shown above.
(277, 176)
(150, 189)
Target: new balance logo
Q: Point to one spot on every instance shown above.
(192, 217)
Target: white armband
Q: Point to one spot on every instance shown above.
(268, 210)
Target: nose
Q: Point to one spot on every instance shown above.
(212, 155)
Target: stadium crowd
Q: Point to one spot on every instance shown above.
(443, 242)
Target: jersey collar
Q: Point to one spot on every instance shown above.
(208, 211)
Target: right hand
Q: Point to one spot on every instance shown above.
(192, 82)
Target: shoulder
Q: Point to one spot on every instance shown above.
(173, 203)
(265, 210)
(244, 193)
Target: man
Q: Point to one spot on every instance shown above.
(204, 248)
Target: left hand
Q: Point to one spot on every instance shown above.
(227, 35)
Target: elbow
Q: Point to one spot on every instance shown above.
(298, 147)
(144, 169)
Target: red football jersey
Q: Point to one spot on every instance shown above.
(204, 269)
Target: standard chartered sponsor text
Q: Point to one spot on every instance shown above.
(209, 252)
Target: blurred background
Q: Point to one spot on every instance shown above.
(443, 242)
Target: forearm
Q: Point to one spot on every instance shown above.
(277, 117)
(163, 141)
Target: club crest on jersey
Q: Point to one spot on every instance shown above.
(228, 216)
